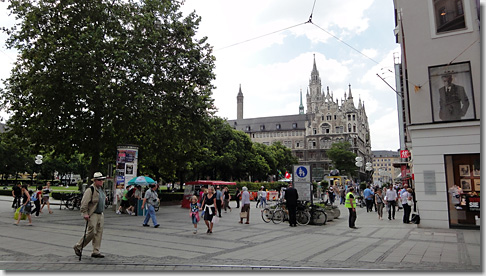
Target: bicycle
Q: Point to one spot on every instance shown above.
(318, 215)
(269, 212)
(73, 201)
(302, 215)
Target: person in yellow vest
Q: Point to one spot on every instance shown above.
(350, 203)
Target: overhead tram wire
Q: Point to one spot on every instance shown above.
(251, 39)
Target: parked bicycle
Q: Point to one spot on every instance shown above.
(317, 214)
(301, 214)
(73, 200)
(268, 212)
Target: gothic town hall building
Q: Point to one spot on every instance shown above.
(311, 134)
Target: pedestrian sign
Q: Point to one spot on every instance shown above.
(302, 174)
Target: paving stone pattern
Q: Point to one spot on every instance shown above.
(377, 244)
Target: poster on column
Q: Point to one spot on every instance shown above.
(126, 164)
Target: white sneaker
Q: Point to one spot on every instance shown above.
(133, 214)
(195, 231)
(118, 212)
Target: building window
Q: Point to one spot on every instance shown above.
(450, 16)
(349, 127)
(262, 127)
(314, 131)
(294, 125)
(278, 126)
(354, 128)
(335, 117)
(354, 117)
(349, 117)
(248, 128)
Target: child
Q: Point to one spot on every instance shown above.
(194, 212)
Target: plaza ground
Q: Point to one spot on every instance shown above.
(377, 244)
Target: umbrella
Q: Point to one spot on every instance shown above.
(141, 180)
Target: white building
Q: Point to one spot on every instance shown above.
(309, 135)
(440, 42)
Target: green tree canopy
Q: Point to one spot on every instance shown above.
(343, 158)
(94, 74)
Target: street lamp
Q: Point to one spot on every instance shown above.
(38, 161)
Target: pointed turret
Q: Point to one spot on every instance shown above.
(239, 105)
(301, 106)
(350, 95)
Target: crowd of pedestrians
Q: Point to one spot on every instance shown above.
(30, 203)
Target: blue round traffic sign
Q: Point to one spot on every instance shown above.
(301, 172)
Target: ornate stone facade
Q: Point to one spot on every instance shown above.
(311, 134)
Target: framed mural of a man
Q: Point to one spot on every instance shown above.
(451, 92)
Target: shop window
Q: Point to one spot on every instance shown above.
(463, 178)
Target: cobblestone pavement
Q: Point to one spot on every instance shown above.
(258, 246)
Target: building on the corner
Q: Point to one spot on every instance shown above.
(439, 81)
(384, 170)
(310, 134)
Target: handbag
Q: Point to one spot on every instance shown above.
(243, 214)
(215, 219)
(415, 216)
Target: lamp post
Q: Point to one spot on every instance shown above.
(37, 161)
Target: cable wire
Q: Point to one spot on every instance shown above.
(248, 40)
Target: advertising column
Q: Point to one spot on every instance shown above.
(126, 166)
(302, 182)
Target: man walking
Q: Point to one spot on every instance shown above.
(237, 197)
(291, 197)
(151, 199)
(351, 205)
(17, 195)
(219, 200)
(368, 195)
(391, 197)
(92, 206)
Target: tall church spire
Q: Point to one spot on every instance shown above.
(301, 106)
(239, 105)
(350, 95)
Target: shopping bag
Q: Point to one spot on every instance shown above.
(23, 216)
(243, 214)
(215, 219)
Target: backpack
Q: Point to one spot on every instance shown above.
(34, 197)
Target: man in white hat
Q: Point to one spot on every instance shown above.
(92, 207)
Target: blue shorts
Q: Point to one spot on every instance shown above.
(194, 219)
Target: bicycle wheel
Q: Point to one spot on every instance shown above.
(319, 217)
(303, 217)
(267, 215)
(70, 204)
(278, 216)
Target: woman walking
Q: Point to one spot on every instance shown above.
(208, 205)
(26, 205)
(227, 198)
(45, 197)
(379, 203)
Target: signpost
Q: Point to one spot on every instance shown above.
(302, 182)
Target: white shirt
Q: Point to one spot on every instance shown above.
(264, 194)
(404, 196)
(391, 195)
(245, 198)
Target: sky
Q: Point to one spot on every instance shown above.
(268, 48)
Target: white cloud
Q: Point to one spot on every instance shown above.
(384, 131)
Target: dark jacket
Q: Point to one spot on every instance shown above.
(291, 196)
